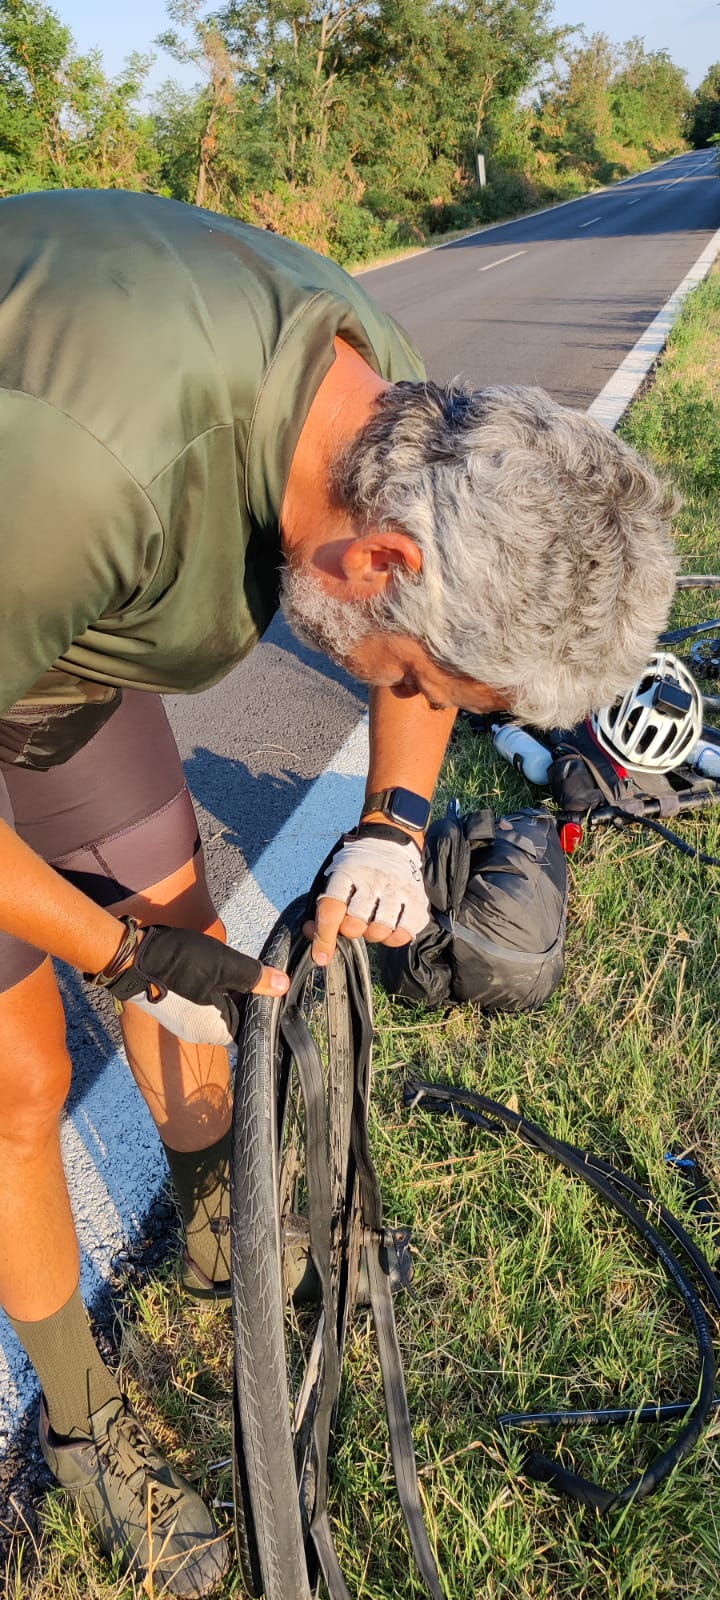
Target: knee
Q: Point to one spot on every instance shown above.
(35, 1068)
(180, 901)
(30, 1119)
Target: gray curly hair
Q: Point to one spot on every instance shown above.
(548, 567)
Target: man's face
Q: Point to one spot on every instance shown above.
(392, 661)
(345, 631)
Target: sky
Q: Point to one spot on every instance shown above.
(688, 29)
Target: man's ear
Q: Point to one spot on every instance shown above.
(368, 563)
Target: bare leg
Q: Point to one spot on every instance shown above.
(39, 1269)
(39, 1261)
(186, 1086)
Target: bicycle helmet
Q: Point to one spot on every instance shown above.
(654, 727)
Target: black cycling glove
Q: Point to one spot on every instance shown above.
(185, 980)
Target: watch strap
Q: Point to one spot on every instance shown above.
(377, 802)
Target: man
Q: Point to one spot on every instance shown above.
(193, 413)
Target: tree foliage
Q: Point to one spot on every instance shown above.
(610, 109)
(63, 122)
(349, 124)
(650, 100)
(704, 117)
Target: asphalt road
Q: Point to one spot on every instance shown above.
(556, 299)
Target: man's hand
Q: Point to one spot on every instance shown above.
(188, 982)
(374, 890)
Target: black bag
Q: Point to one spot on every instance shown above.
(583, 779)
(581, 775)
(498, 893)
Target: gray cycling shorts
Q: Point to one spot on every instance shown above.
(114, 819)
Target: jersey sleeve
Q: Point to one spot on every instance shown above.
(79, 539)
(403, 362)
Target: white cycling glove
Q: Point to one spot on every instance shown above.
(380, 881)
(196, 1024)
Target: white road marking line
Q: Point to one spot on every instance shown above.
(96, 1214)
(613, 401)
(635, 202)
(502, 261)
(590, 223)
(287, 866)
(18, 1384)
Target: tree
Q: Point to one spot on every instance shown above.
(111, 142)
(649, 100)
(215, 120)
(575, 119)
(704, 116)
(289, 55)
(62, 121)
(341, 122)
(34, 49)
(439, 72)
(611, 107)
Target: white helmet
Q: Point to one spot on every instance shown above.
(659, 720)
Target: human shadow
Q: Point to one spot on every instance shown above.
(93, 1032)
(281, 634)
(251, 774)
(233, 795)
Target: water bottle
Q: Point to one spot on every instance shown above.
(522, 751)
(705, 757)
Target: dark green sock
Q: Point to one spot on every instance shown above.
(202, 1184)
(75, 1380)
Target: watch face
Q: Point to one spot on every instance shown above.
(410, 808)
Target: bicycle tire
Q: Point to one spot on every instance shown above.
(698, 580)
(705, 649)
(245, 1535)
(275, 1395)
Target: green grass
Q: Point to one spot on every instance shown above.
(528, 1292)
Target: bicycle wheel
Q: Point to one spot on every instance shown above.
(702, 639)
(281, 1362)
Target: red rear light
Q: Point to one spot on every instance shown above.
(571, 835)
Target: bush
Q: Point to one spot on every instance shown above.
(355, 233)
(447, 215)
(506, 194)
(680, 428)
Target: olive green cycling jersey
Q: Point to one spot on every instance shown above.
(157, 364)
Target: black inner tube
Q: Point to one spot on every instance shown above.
(616, 1187)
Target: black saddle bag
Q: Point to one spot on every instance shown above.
(498, 893)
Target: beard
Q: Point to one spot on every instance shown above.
(320, 620)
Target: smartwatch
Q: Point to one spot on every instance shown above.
(400, 805)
